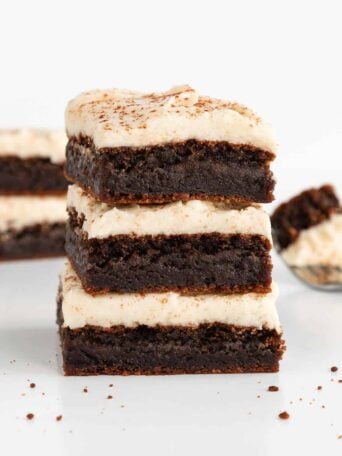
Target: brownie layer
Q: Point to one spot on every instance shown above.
(31, 175)
(40, 240)
(193, 263)
(176, 171)
(305, 210)
(143, 350)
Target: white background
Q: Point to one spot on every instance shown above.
(281, 58)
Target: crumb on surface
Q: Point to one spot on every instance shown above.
(273, 388)
(32, 385)
(59, 417)
(109, 396)
(319, 387)
(30, 416)
(284, 415)
(110, 385)
(334, 369)
(85, 389)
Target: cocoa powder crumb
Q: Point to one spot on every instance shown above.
(59, 417)
(110, 385)
(273, 388)
(334, 369)
(339, 437)
(85, 390)
(32, 385)
(319, 387)
(30, 416)
(340, 381)
(109, 397)
(284, 416)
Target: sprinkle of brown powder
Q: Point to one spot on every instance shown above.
(273, 388)
(30, 416)
(284, 415)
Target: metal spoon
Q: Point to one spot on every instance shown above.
(320, 277)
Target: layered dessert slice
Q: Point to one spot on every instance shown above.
(192, 246)
(32, 161)
(32, 193)
(32, 226)
(130, 147)
(307, 231)
(166, 333)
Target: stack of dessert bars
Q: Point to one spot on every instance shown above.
(169, 267)
(32, 193)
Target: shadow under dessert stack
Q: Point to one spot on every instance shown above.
(169, 267)
(32, 193)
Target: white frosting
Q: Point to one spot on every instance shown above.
(131, 309)
(318, 245)
(28, 143)
(191, 217)
(116, 118)
(17, 212)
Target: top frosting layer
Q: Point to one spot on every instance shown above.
(28, 143)
(122, 118)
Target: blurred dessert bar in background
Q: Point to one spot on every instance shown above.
(32, 193)
(307, 232)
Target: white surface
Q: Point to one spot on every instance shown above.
(190, 217)
(166, 415)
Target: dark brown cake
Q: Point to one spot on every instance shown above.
(31, 175)
(169, 172)
(307, 209)
(35, 241)
(194, 263)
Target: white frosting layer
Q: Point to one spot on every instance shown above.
(132, 309)
(17, 212)
(318, 245)
(115, 118)
(191, 217)
(27, 143)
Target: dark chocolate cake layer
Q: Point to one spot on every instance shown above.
(37, 241)
(209, 348)
(193, 263)
(31, 175)
(307, 209)
(176, 171)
